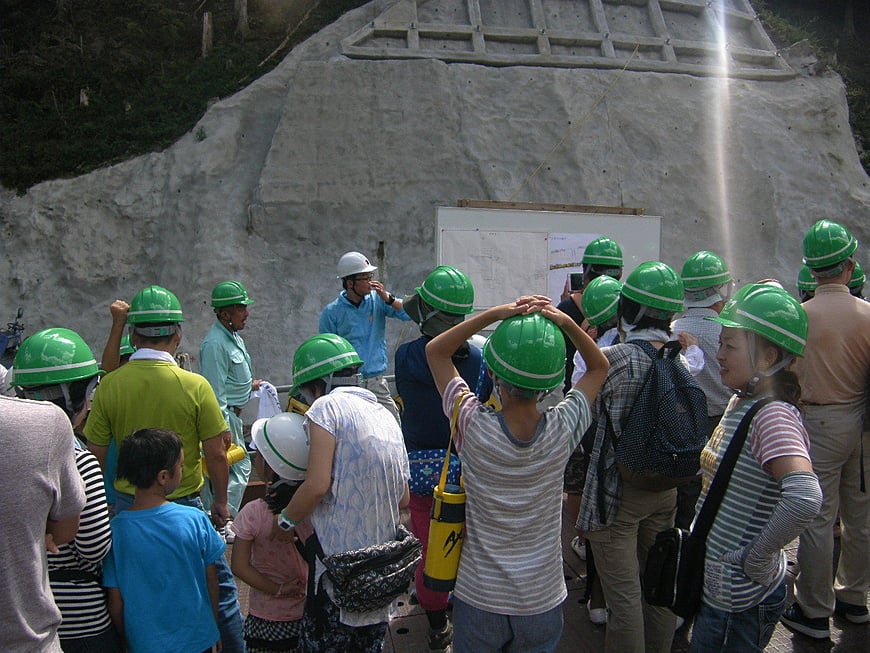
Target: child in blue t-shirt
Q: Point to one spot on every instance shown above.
(160, 573)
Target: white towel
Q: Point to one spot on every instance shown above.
(6, 387)
(268, 396)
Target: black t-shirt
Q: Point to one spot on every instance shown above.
(568, 307)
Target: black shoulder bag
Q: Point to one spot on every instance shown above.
(369, 578)
(674, 573)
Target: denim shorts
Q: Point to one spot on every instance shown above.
(479, 631)
(749, 630)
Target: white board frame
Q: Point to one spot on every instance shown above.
(500, 251)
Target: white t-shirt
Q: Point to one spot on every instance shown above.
(369, 472)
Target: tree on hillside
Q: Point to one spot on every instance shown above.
(241, 15)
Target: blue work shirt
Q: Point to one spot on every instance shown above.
(424, 424)
(363, 326)
(225, 363)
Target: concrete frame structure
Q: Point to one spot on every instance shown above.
(697, 37)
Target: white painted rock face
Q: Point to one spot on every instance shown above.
(330, 152)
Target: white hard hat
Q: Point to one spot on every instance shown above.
(283, 442)
(354, 263)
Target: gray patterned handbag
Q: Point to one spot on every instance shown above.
(370, 578)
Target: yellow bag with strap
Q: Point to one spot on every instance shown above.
(447, 525)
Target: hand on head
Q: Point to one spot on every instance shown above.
(522, 306)
(552, 313)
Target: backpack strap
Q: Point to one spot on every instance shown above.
(647, 348)
(723, 474)
(313, 551)
(671, 349)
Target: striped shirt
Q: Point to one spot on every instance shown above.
(511, 559)
(82, 602)
(752, 494)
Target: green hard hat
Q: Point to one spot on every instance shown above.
(806, 281)
(828, 243)
(229, 293)
(600, 300)
(448, 289)
(704, 270)
(527, 351)
(153, 305)
(731, 305)
(858, 277)
(320, 356)
(656, 285)
(603, 251)
(127, 347)
(771, 313)
(53, 356)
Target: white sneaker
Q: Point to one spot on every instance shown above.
(579, 547)
(597, 616)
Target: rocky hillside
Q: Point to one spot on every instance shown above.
(84, 83)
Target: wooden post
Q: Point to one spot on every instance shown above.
(207, 34)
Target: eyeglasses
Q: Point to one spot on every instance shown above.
(367, 277)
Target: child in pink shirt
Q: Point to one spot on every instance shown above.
(275, 570)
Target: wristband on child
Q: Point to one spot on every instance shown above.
(285, 523)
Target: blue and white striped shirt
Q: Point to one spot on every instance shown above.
(752, 494)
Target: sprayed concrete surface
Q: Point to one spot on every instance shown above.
(329, 153)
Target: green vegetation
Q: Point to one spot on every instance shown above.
(85, 83)
(839, 31)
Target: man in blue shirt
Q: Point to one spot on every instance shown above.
(225, 363)
(359, 315)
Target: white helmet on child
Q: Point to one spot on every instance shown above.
(283, 442)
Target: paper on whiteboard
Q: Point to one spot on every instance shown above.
(502, 265)
(566, 252)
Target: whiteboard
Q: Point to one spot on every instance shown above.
(513, 252)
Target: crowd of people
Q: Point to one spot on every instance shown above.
(126, 478)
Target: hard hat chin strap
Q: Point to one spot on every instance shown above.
(637, 318)
(749, 391)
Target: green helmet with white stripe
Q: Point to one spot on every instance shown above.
(704, 270)
(858, 278)
(448, 289)
(603, 251)
(154, 305)
(771, 313)
(828, 243)
(655, 285)
(322, 355)
(229, 293)
(53, 356)
(527, 351)
(600, 300)
(806, 281)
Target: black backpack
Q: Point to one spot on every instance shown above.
(666, 429)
